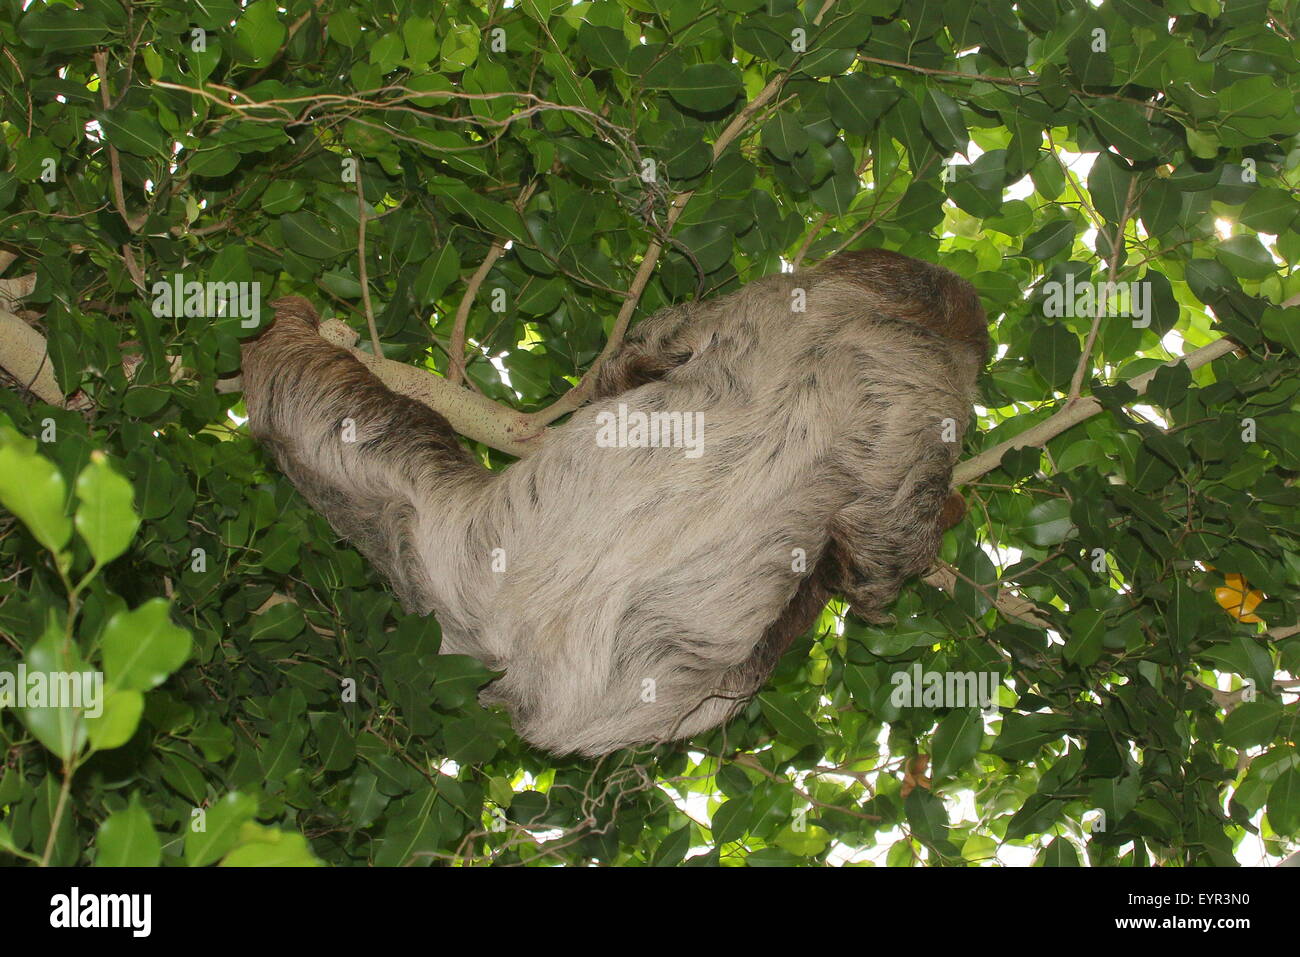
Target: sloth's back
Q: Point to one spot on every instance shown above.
(639, 581)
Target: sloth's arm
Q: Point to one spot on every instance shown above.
(369, 460)
(650, 351)
(884, 539)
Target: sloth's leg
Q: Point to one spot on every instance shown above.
(377, 465)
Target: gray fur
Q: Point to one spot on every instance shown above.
(628, 569)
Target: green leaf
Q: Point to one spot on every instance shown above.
(365, 800)
(857, 101)
(731, 820)
(956, 741)
(135, 133)
(344, 27)
(498, 219)
(784, 137)
(422, 41)
(1160, 205)
(1283, 806)
(943, 120)
(1270, 210)
(1252, 723)
(460, 47)
(283, 196)
(1116, 796)
(58, 27)
(792, 726)
(1123, 126)
(1087, 628)
(1023, 735)
(1056, 352)
(806, 842)
(106, 517)
(456, 679)
(33, 489)
(672, 849)
(7, 844)
(260, 30)
(118, 722)
(1282, 326)
(1183, 615)
(605, 47)
(928, 818)
(128, 839)
(55, 723)
(304, 233)
(142, 647)
(270, 847)
(1035, 816)
(705, 87)
(213, 162)
(1059, 853)
(1109, 183)
(1246, 257)
(1057, 236)
(222, 823)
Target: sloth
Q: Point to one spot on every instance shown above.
(635, 593)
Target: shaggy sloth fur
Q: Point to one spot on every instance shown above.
(639, 594)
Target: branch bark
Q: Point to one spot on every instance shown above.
(470, 414)
(24, 356)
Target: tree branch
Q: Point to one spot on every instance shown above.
(1080, 370)
(1075, 412)
(456, 349)
(133, 223)
(23, 354)
(470, 414)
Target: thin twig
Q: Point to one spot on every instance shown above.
(1099, 308)
(363, 213)
(133, 223)
(456, 350)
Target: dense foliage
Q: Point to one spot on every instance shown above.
(1157, 543)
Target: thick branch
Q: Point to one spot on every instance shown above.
(24, 356)
(473, 416)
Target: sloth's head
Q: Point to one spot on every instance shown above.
(935, 298)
